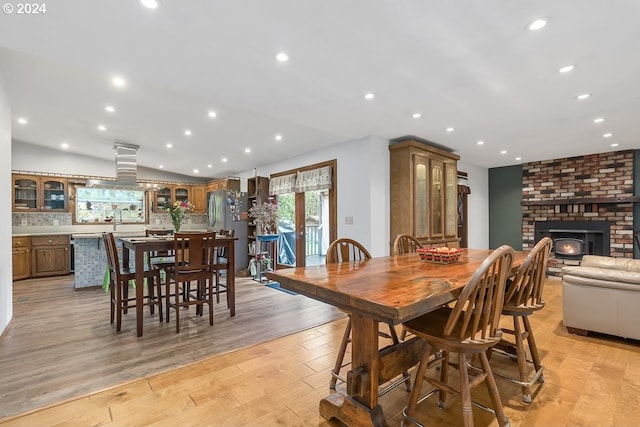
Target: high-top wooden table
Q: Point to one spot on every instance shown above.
(141, 245)
(390, 289)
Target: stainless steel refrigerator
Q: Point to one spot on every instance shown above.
(224, 211)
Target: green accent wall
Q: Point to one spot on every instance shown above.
(505, 207)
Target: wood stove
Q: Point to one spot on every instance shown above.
(573, 239)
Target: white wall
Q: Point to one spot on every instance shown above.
(478, 205)
(33, 158)
(6, 273)
(363, 193)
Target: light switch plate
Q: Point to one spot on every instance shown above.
(348, 220)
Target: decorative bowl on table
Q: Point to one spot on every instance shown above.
(441, 255)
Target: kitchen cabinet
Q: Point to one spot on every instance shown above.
(228, 183)
(21, 254)
(39, 193)
(423, 191)
(170, 193)
(50, 255)
(199, 198)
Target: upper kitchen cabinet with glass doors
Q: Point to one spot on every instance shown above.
(40, 193)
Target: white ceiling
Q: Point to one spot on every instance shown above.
(472, 65)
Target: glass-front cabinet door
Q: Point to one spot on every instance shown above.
(421, 194)
(25, 193)
(162, 196)
(181, 194)
(437, 198)
(54, 194)
(451, 197)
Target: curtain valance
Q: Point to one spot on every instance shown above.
(282, 184)
(316, 179)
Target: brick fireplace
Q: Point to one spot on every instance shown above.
(577, 191)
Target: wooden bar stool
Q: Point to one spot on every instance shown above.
(119, 279)
(470, 327)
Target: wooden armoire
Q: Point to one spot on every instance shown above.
(424, 191)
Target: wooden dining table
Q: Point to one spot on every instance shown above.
(142, 245)
(391, 289)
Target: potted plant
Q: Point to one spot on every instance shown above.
(266, 216)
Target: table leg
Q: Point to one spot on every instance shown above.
(360, 406)
(139, 257)
(231, 278)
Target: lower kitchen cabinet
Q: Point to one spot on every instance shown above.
(50, 255)
(21, 251)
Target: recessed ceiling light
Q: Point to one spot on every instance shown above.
(187, 132)
(369, 95)
(196, 171)
(209, 166)
(247, 150)
(518, 159)
(64, 145)
(503, 152)
(538, 24)
(416, 115)
(598, 120)
(583, 96)
(110, 109)
(212, 114)
(566, 69)
(118, 81)
(480, 142)
(282, 57)
(225, 160)
(278, 137)
(102, 127)
(607, 135)
(449, 129)
(161, 166)
(22, 121)
(151, 4)
(169, 145)
(615, 144)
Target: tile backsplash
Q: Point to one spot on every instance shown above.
(40, 219)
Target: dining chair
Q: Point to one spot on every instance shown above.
(160, 259)
(119, 280)
(524, 297)
(194, 262)
(345, 250)
(468, 328)
(221, 265)
(405, 244)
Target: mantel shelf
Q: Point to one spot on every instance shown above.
(601, 200)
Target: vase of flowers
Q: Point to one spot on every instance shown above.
(266, 216)
(178, 211)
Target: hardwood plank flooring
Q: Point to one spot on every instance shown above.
(61, 345)
(589, 381)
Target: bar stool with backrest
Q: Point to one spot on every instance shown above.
(470, 327)
(160, 259)
(194, 262)
(524, 297)
(119, 279)
(345, 250)
(405, 244)
(221, 265)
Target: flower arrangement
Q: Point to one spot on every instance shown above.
(178, 211)
(266, 214)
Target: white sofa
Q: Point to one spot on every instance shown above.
(602, 295)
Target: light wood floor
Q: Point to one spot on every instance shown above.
(589, 381)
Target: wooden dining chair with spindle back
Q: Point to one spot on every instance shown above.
(524, 297)
(345, 250)
(405, 244)
(221, 265)
(469, 327)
